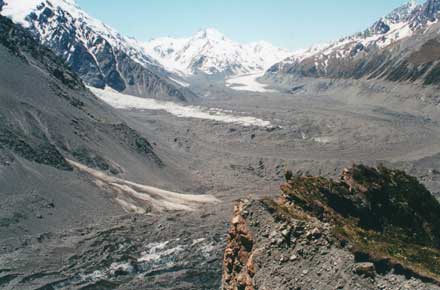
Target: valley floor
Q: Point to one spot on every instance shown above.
(310, 132)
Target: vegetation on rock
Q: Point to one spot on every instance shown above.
(387, 216)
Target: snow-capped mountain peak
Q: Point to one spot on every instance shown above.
(99, 54)
(210, 33)
(19, 11)
(210, 52)
(401, 13)
(30, 12)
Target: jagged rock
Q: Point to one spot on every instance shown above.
(372, 211)
(365, 269)
(313, 234)
(293, 258)
(285, 233)
(238, 262)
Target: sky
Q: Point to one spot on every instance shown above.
(292, 24)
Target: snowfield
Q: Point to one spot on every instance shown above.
(122, 101)
(18, 10)
(248, 82)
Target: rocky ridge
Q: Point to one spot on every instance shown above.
(364, 231)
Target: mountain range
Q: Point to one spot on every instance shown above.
(402, 46)
(105, 58)
(209, 52)
(399, 47)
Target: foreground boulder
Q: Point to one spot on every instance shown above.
(374, 228)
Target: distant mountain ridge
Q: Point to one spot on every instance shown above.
(210, 52)
(98, 53)
(401, 46)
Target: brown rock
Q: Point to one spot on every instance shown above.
(365, 269)
(238, 262)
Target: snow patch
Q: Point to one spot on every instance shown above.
(18, 10)
(157, 251)
(137, 198)
(183, 84)
(322, 140)
(117, 267)
(198, 241)
(248, 82)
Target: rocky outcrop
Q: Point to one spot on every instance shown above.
(372, 229)
(39, 150)
(238, 259)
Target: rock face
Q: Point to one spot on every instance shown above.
(402, 46)
(374, 228)
(238, 260)
(98, 54)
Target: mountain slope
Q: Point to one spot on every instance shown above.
(99, 54)
(76, 211)
(398, 47)
(49, 122)
(209, 52)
